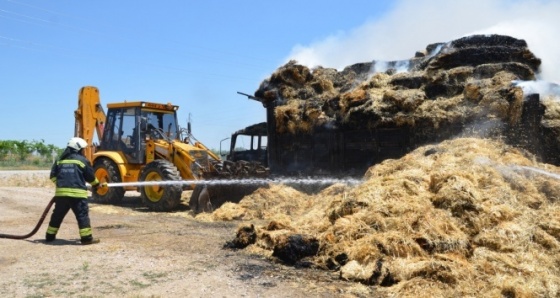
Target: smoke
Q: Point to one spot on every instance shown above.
(483, 129)
(383, 66)
(538, 87)
(411, 25)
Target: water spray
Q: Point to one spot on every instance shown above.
(536, 170)
(516, 168)
(253, 181)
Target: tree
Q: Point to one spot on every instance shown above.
(23, 149)
(6, 147)
(55, 151)
(19, 151)
(44, 151)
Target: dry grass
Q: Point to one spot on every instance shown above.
(26, 179)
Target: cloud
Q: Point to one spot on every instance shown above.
(411, 25)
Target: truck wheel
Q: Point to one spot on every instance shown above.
(161, 197)
(106, 171)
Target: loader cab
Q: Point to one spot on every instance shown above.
(130, 124)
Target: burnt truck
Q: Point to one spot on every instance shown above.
(249, 144)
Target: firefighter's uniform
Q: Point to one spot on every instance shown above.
(70, 173)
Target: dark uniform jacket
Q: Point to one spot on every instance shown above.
(70, 173)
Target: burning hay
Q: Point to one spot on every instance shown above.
(467, 217)
(453, 83)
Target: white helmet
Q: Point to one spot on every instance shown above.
(77, 144)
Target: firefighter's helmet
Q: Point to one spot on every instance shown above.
(77, 144)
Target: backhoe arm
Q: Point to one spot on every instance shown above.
(89, 116)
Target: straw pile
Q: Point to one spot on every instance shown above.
(466, 217)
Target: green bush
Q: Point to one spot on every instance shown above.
(27, 154)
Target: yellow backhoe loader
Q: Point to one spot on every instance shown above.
(141, 142)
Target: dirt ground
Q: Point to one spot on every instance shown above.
(141, 254)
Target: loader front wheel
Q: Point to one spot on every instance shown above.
(161, 197)
(107, 172)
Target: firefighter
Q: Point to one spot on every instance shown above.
(70, 174)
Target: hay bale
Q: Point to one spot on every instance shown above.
(405, 100)
(353, 98)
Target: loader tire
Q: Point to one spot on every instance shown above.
(107, 172)
(161, 197)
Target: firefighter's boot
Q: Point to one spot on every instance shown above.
(90, 241)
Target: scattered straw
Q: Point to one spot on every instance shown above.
(454, 219)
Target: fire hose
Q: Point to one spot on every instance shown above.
(34, 231)
(8, 236)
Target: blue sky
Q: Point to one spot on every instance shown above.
(198, 54)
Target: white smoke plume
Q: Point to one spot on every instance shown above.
(413, 24)
(543, 88)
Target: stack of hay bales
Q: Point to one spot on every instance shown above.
(453, 83)
(469, 87)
